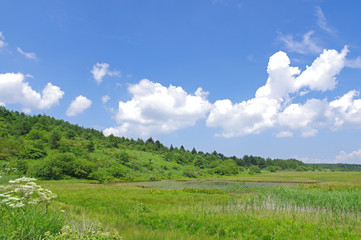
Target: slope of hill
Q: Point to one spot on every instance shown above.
(47, 148)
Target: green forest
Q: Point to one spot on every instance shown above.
(43, 147)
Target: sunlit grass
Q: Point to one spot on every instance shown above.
(220, 209)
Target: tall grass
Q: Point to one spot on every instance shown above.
(236, 212)
(24, 210)
(26, 213)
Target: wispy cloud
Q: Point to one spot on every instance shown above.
(353, 63)
(2, 40)
(251, 58)
(306, 45)
(105, 99)
(321, 20)
(27, 55)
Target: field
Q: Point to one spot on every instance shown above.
(282, 205)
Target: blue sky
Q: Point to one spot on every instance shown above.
(277, 79)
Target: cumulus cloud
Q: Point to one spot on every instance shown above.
(100, 70)
(321, 20)
(2, 40)
(306, 45)
(353, 157)
(155, 109)
(105, 99)
(27, 55)
(272, 105)
(15, 90)
(78, 105)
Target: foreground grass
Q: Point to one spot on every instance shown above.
(326, 210)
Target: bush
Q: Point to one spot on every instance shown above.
(33, 153)
(101, 175)
(228, 167)
(190, 173)
(254, 169)
(117, 171)
(54, 139)
(122, 157)
(21, 166)
(64, 165)
(301, 169)
(271, 169)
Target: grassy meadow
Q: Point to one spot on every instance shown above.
(298, 205)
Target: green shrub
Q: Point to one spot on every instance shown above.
(101, 174)
(32, 152)
(122, 157)
(271, 169)
(301, 169)
(21, 166)
(63, 165)
(117, 171)
(190, 173)
(254, 169)
(228, 167)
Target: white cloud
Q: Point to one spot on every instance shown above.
(155, 109)
(2, 40)
(284, 134)
(100, 70)
(315, 160)
(78, 105)
(27, 55)
(321, 20)
(346, 111)
(353, 63)
(105, 99)
(272, 105)
(15, 90)
(353, 157)
(306, 45)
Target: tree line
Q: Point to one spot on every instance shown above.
(45, 147)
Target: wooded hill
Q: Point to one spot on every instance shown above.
(44, 147)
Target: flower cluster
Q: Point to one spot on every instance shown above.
(24, 191)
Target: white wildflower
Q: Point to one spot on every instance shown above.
(19, 204)
(14, 198)
(23, 191)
